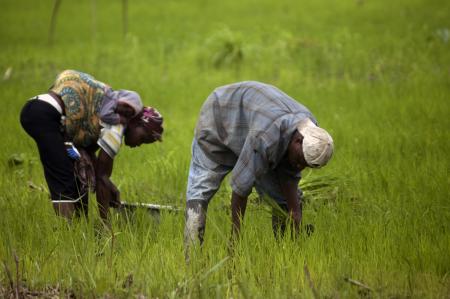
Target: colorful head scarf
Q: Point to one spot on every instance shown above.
(152, 121)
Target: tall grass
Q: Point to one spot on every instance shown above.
(375, 74)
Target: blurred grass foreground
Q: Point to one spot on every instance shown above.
(376, 74)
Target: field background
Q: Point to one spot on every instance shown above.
(376, 74)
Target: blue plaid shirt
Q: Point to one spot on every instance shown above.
(248, 126)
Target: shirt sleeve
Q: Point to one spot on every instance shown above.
(111, 138)
(250, 165)
(111, 118)
(108, 113)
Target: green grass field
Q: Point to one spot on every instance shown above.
(376, 74)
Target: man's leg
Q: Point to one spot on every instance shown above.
(195, 221)
(205, 177)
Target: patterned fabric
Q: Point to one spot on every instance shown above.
(82, 96)
(152, 121)
(248, 126)
(111, 138)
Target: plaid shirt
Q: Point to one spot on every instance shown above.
(248, 126)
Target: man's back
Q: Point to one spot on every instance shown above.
(235, 112)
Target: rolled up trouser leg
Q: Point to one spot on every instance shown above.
(194, 229)
(205, 177)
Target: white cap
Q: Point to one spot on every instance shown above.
(317, 144)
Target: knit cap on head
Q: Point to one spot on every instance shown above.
(131, 98)
(317, 144)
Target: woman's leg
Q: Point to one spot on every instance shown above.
(42, 122)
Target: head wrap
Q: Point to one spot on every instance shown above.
(152, 121)
(317, 144)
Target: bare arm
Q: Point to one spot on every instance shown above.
(107, 193)
(289, 190)
(238, 205)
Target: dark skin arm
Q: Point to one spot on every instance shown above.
(238, 205)
(107, 193)
(289, 190)
(125, 112)
(296, 160)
